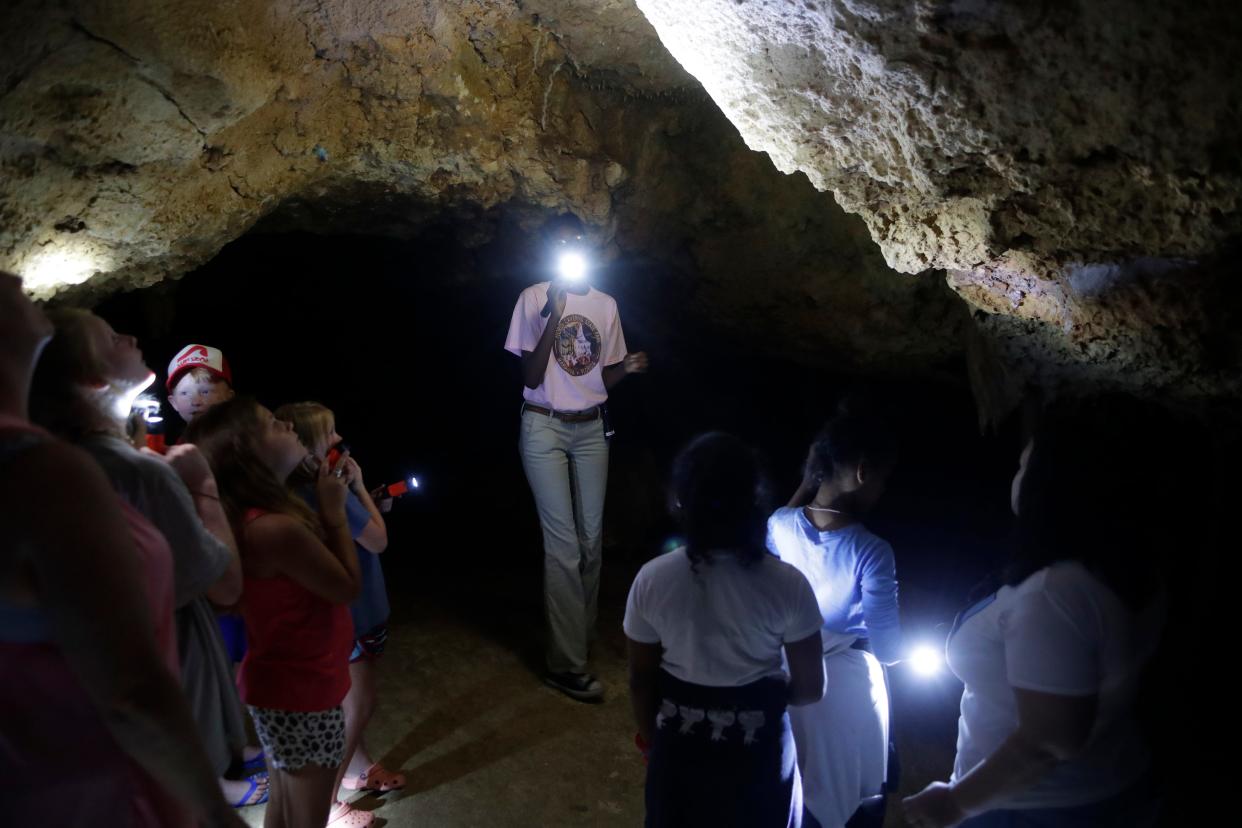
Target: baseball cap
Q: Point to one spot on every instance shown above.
(198, 356)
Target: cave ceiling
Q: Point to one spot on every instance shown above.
(1048, 188)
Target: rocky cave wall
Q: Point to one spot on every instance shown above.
(1075, 165)
(1072, 198)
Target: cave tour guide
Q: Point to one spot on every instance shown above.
(568, 335)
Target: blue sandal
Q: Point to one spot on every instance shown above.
(258, 763)
(245, 802)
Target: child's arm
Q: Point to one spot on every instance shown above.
(289, 548)
(374, 536)
(644, 662)
(285, 546)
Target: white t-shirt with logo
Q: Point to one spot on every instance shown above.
(724, 625)
(1064, 632)
(588, 338)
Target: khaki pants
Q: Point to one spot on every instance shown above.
(566, 465)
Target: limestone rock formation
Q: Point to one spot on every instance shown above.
(1070, 165)
(138, 138)
(1059, 159)
(1001, 136)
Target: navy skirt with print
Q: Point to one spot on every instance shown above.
(723, 756)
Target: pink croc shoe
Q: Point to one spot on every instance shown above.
(344, 815)
(375, 778)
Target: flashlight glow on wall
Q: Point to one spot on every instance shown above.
(56, 265)
(572, 266)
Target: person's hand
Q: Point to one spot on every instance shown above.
(556, 301)
(635, 363)
(353, 474)
(381, 499)
(331, 491)
(192, 467)
(933, 807)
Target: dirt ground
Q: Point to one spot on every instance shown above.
(463, 713)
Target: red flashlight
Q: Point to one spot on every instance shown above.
(334, 453)
(401, 487)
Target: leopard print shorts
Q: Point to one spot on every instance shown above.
(294, 739)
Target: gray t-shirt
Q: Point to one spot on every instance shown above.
(151, 486)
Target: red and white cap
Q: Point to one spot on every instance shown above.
(198, 356)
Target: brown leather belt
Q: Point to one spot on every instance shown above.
(564, 416)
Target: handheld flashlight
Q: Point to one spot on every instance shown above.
(401, 487)
(150, 408)
(926, 660)
(334, 457)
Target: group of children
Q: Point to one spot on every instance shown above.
(755, 648)
(709, 622)
(305, 617)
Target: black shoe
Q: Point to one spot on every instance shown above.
(581, 686)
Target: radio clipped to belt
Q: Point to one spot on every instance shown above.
(609, 431)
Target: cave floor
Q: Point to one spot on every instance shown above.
(463, 713)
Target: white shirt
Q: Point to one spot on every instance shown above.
(724, 625)
(1060, 631)
(853, 574)
(588, 338)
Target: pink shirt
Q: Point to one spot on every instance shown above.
(59, 764)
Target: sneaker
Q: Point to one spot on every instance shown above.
(580, 686)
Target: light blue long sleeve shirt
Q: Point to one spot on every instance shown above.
(852, 573)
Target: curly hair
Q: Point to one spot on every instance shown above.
(719, 498)
(850, 438)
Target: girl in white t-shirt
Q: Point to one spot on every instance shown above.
(706, 625)
(1051, 660)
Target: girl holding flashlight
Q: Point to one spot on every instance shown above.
(315, 426)
(843, 739)
(1051, 661)
(301, 573)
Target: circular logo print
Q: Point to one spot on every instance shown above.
(577, 345)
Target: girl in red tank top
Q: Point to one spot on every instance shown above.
(301, 572)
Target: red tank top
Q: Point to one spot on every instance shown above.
(299, 644)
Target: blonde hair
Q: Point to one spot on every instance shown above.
(311, 421)
(70, 393)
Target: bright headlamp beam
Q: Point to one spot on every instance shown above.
(572, 266)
